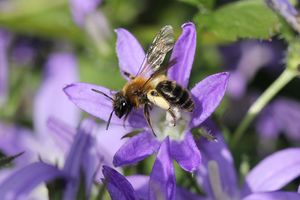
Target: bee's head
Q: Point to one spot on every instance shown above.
(121, 105)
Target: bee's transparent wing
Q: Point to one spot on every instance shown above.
(163, 43)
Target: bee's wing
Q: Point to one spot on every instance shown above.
(163, 43)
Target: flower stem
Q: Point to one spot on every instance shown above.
(261, 102)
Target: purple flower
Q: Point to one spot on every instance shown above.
(81, 8)
(252, 56)
(81, 158)
(15, 139)
(4, 40)
(207, 95)
(138, 187)
(60, 69)
(21, 183)
(218, 176)
(280, 116)
(63, 135)
(287, 11)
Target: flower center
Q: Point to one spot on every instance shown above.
(163, 125)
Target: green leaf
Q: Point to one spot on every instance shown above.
(242, 19)
(208, 4)
(40, 17)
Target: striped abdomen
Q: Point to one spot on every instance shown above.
(175, 95)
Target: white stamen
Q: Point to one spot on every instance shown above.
(163, 124)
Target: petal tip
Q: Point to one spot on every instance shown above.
(188, 24)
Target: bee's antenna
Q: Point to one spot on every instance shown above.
(99, 92)
(108, 122)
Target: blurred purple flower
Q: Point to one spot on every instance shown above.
(81, 8)
(63, 135)
(15, 139)
(60, 69)
(19, 184)
(280, 116)
(86, 16)
(246, 58)
(24, 52)
(81, 158)
(287, 11)
(218, 176)
(4, 41)
(137, 187)
(50, 101)
(180, 144)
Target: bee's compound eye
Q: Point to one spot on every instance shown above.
(124, 104)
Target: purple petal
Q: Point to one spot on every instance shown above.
(278, 117)
(267, 125)
(60, 69)
(98, 105)
(109, 149)
(186, 153)
(207, 96)
(119, 188)
(130, 53)
(140, 183)
(81, 8)
(273, 196)
(78, 158)
(237, 85)
(19, 184)
(162, 179)
(16, 139)
(183, 53)
(62, 133)
(219, 152)
(136, 149)
(183, 194)
(4, 38)
(274, 172)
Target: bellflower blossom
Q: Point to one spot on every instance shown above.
(218, 176)
(207, 95)
(136, 187)
(279, 117)
(175, 142)
(252, 56)
(86, 16)
(60, 68)
(81, 8)
(81, 158)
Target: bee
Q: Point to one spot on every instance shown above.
(144, 90)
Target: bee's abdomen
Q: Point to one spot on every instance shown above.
(175, 95)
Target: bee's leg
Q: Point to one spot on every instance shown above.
(128, 75)
(170, 111)
(147, 117)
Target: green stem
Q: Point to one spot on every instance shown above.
(261, 102)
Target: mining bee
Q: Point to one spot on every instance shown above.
(144, 90)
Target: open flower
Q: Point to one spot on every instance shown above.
(81, 158)
(279, 117)
(137, 187)
(219, 180)
(178, 140)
